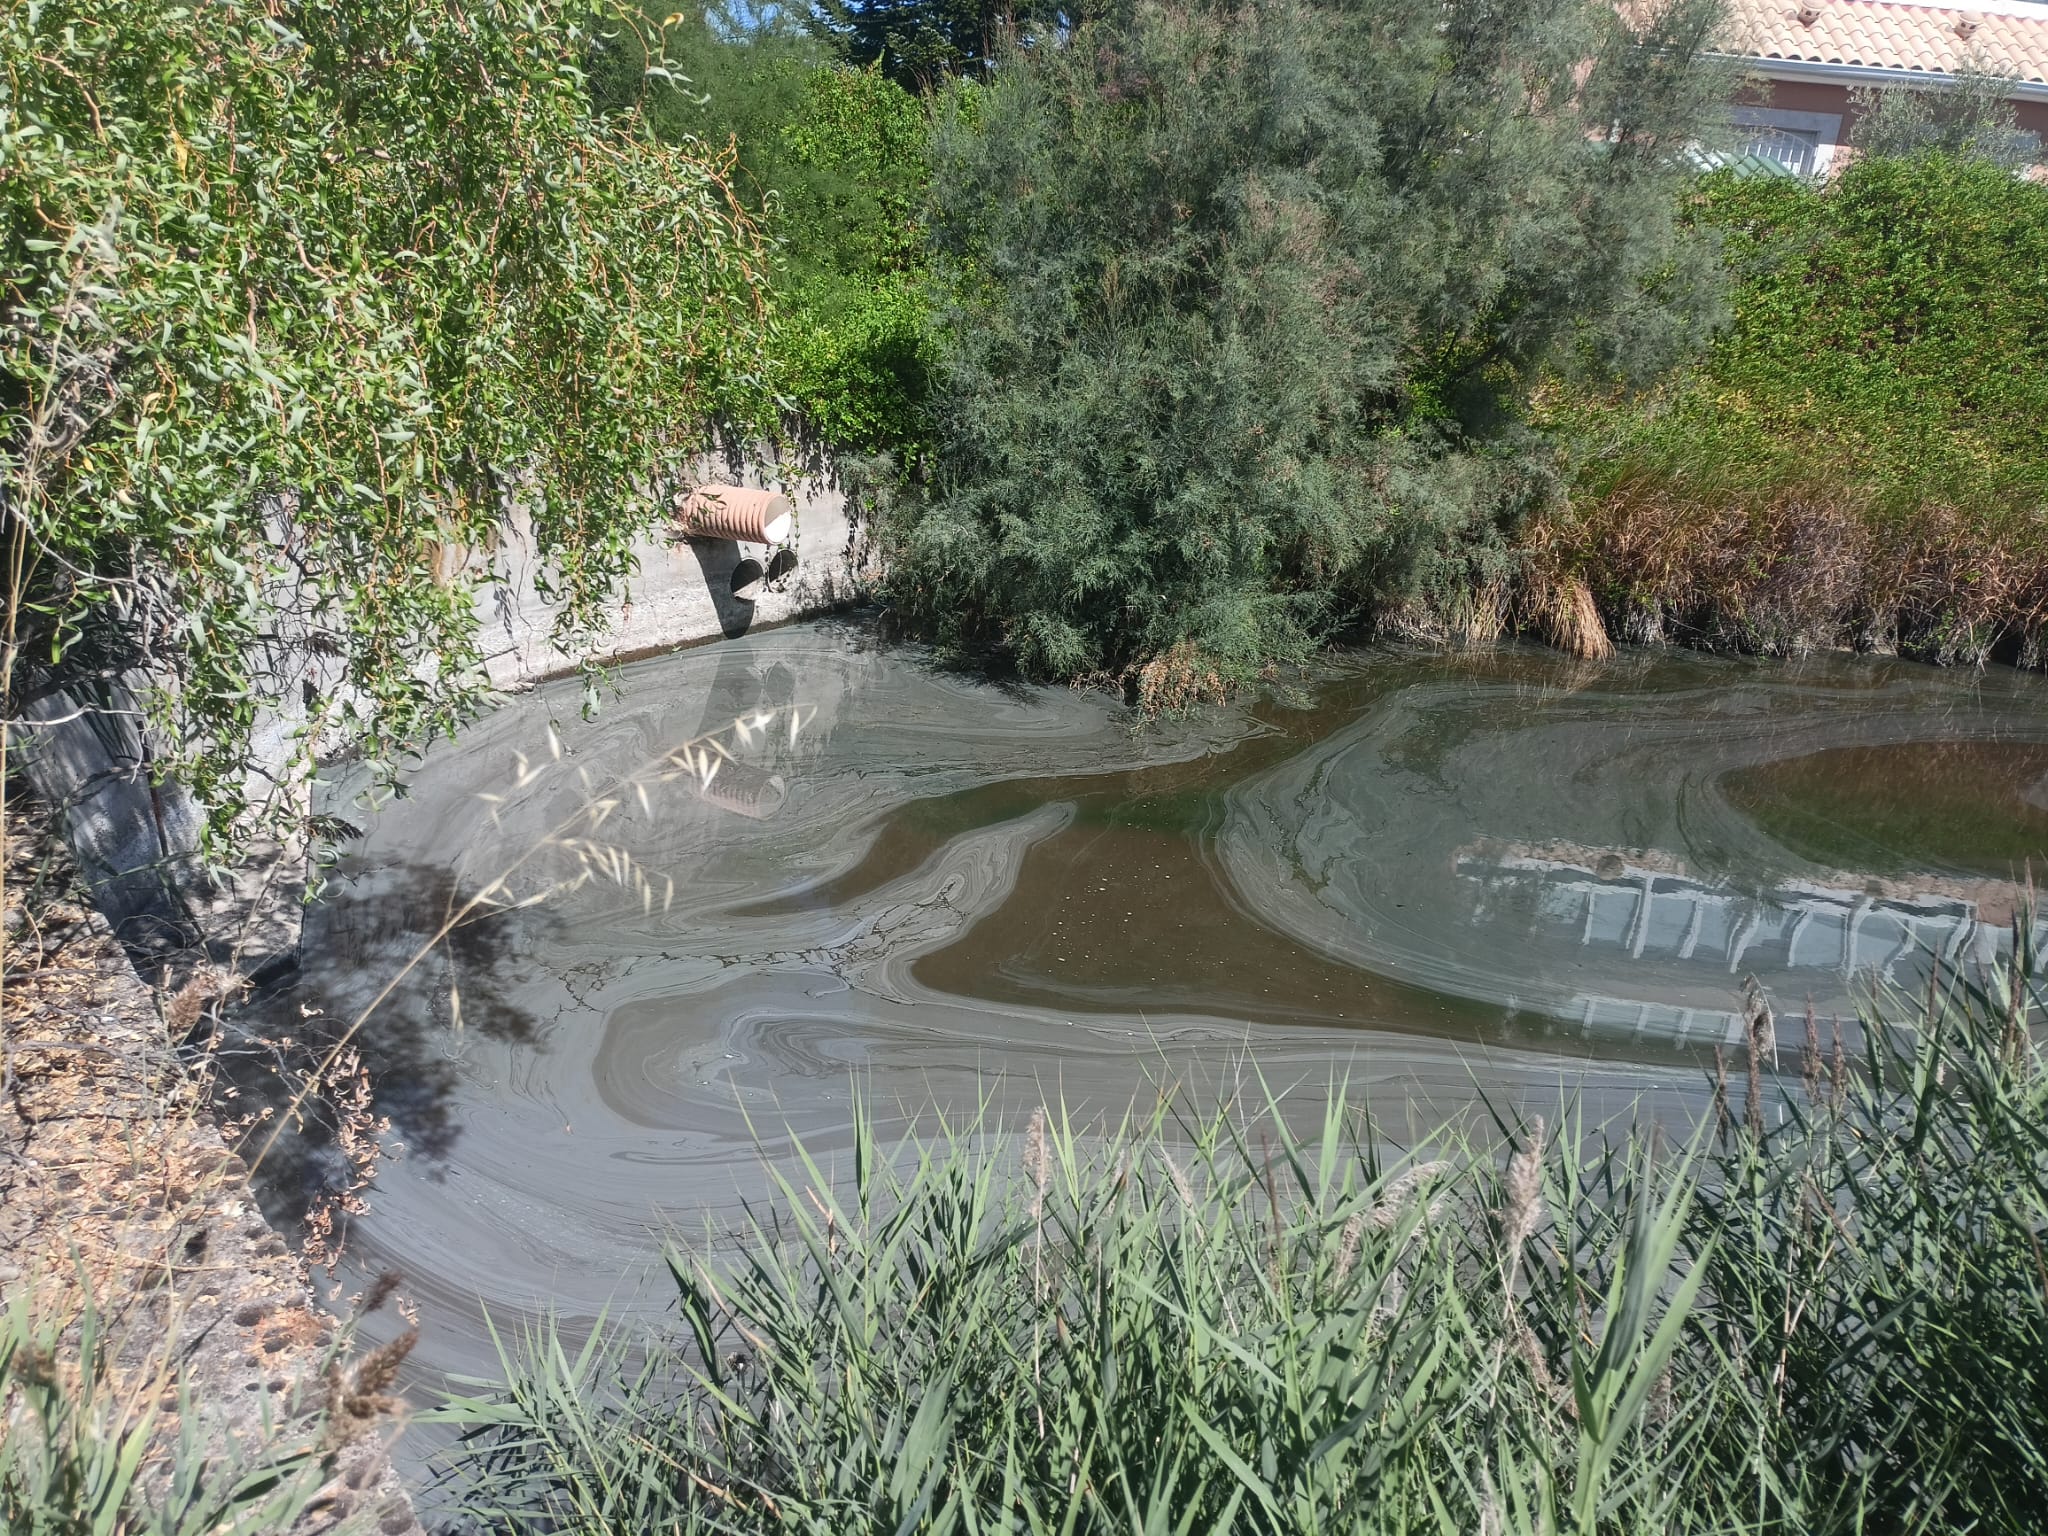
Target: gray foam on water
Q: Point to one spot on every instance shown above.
(620, 1068)
(1569, 845)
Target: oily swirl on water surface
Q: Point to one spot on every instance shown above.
(940, 892)
(1620, 847)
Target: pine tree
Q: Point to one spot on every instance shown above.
(920, 42)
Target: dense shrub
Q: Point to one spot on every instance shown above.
(1827, 1317)
(855, 338)
(1861, 456)
(290, 297)
(1245, 296)
(923, 42)
(831, 160)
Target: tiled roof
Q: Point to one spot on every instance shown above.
(1919, 39)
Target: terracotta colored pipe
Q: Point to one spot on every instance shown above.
(745, 791)
(735, 512)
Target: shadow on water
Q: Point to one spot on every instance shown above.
(368, 927)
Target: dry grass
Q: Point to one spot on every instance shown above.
(1560, 607)
(157, 1341)
(1178, 679)
(1481, 615)
(1801, 568)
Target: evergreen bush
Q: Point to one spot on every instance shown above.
(1244, 298)
(1860, 457)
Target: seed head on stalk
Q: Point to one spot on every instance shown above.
(1521, 1202)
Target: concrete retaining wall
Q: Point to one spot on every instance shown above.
(682, 592)
(136, 841)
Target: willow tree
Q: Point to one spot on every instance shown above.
(1248, 297)
(290, 296)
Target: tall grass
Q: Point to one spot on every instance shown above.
(1858, 459)
(1878, 1275)
(85, 1451)
(1825, 1314)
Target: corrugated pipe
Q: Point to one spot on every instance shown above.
(740, 512)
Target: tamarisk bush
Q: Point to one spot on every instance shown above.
(1246, 298)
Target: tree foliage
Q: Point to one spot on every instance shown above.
(1970, 116)
(292, 299)
(831, 160)
(920, 43)
(855, 339)
(1246, 299)
(1859, 458)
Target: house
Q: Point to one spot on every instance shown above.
(1812, 55)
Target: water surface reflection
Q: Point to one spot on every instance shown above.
(1507, 875)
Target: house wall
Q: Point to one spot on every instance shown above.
(1814, 96)
(1800, 96)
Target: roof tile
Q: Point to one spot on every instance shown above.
(1876, 34)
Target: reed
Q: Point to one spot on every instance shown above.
(100, 1436)
(1780, 568)
(1834, 1321)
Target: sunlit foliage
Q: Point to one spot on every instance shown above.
(1246, 300)
(292, 300)
(1860, 458)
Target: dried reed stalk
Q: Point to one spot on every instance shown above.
(1521, 1204)
(1572, 621)
(1760, 1026)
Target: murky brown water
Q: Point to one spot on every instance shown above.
(1509, 875)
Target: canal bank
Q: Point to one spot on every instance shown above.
(136, 835)
(1497, 882)
(132, 1245)
(123, 1029)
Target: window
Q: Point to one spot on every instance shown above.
(1793, 148)
(1802, 142)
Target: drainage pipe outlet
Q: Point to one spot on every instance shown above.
(739, 512)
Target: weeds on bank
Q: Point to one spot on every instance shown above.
(1828, 1315)
(1857, 460)
(1790, 568)
(104, 1430)
(80, 1452)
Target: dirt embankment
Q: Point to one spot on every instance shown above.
(117, 1189)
